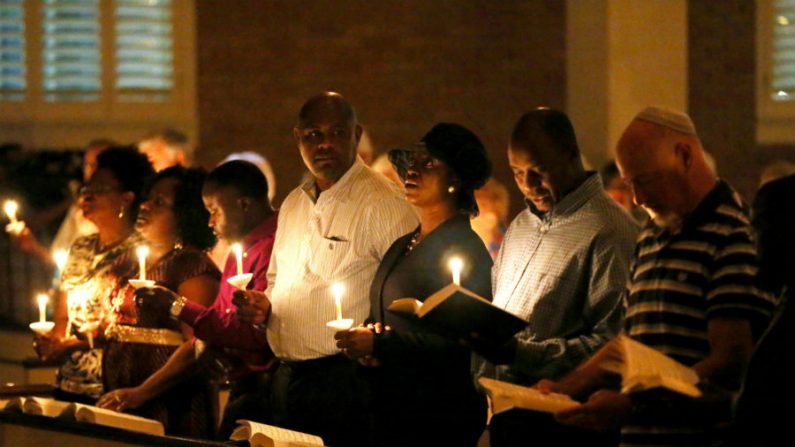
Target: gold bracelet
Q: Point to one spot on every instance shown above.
(176, 307)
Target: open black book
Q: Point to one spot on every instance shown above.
(459, 312)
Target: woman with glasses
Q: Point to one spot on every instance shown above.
(173, 221)
(110, 201)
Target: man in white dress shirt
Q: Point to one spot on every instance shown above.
(334, 228)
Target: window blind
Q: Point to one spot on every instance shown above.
(71, 50)
(144, 46)
(782, 82)
(12, 50)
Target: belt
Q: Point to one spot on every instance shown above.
(300, 366)
(151, 336)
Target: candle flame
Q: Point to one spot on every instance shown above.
(10, 207)
(456, 264)
(60, 257)
(337, 289)
(143, 251)
(42, 299)
(238, 249)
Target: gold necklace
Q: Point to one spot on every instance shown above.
(415, 240)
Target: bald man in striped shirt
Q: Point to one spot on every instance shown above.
(692, 291)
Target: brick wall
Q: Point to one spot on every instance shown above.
(722, 70)
(722, 95)
(405, 64)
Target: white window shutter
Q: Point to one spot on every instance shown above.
(782, 81)
(12, 50)
(71, 50)
(144, 46)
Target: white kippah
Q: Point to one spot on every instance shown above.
(669, 118)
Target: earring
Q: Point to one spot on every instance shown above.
(178, 244)
(451, 189)
(121, 212)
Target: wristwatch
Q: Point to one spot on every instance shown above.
(176, 307)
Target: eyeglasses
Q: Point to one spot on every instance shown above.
(97, 189)
(415, 157)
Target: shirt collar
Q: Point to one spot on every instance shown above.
(720, 193)
(265, 229)
(572, 201)
(338, 190)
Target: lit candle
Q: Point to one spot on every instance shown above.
(42, 299)
(10, 207)
(76, 302)
(70, 299)
(238, 249)
(337, 289)
(88, 322)
(143, 252)
(60, 258)
(456, 264)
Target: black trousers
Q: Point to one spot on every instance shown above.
(524, 428)
(323, 397)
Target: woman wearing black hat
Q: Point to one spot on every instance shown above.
(422, 391)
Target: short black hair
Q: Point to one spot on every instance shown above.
(130, 168)
(552, 123)
(191, 215)
(245, 177)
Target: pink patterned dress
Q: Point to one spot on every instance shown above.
(139, 344)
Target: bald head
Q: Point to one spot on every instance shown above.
(654, 144)
(657, 132)
(326, 103)
(660, 156)
(327, 134)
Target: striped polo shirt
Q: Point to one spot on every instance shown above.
(679, 280)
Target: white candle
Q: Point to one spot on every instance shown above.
(456, 264)
(60, 257)
(238, 249)
(70, 299)
(42, 299)
(143, 252)
(337, 290)
(10, 207)
(76, 301)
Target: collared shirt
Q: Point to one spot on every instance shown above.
(680, 280)
(564, 272)
(339, 236)
(217, 324)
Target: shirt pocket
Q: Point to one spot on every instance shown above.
(329, 257)
(548, 294)
(532, 295)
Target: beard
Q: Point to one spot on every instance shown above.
(668, 220)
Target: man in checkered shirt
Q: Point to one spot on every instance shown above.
(562, 267)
